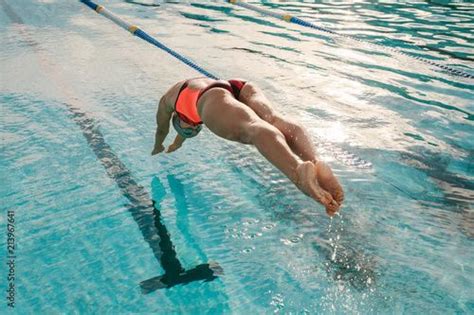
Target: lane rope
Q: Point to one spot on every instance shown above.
(135, 30)
(293, 19)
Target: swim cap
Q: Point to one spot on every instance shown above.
(185, 132)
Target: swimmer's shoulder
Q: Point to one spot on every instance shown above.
(170, 96)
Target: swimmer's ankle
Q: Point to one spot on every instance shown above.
(299, 173)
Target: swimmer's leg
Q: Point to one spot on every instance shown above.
(233, 120)
(297, 138)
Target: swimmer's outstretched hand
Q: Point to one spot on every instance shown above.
(157, 150)
(318, 181)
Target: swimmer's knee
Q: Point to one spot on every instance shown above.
(262, 131)
(295, 129)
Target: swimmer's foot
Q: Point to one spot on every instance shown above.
(329, 183)
(318, 182)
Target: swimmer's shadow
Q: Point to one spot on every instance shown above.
(175, 274)
(204, 272)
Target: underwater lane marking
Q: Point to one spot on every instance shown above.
(143, 210)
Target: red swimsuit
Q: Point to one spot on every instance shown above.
(186, 102)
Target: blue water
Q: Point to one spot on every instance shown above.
(78, 97)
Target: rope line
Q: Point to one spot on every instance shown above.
(301, 22)
(135, 30)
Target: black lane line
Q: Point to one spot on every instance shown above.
(143, 210)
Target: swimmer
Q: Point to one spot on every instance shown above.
(239, 111)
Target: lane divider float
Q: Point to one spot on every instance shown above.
(135, 30)
(293, 19)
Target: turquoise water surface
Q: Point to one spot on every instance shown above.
(96, 215)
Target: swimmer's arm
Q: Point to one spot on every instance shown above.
(178, 142)
(163, 117)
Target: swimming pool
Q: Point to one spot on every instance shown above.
(78, 99)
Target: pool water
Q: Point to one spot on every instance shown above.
(96, 216)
